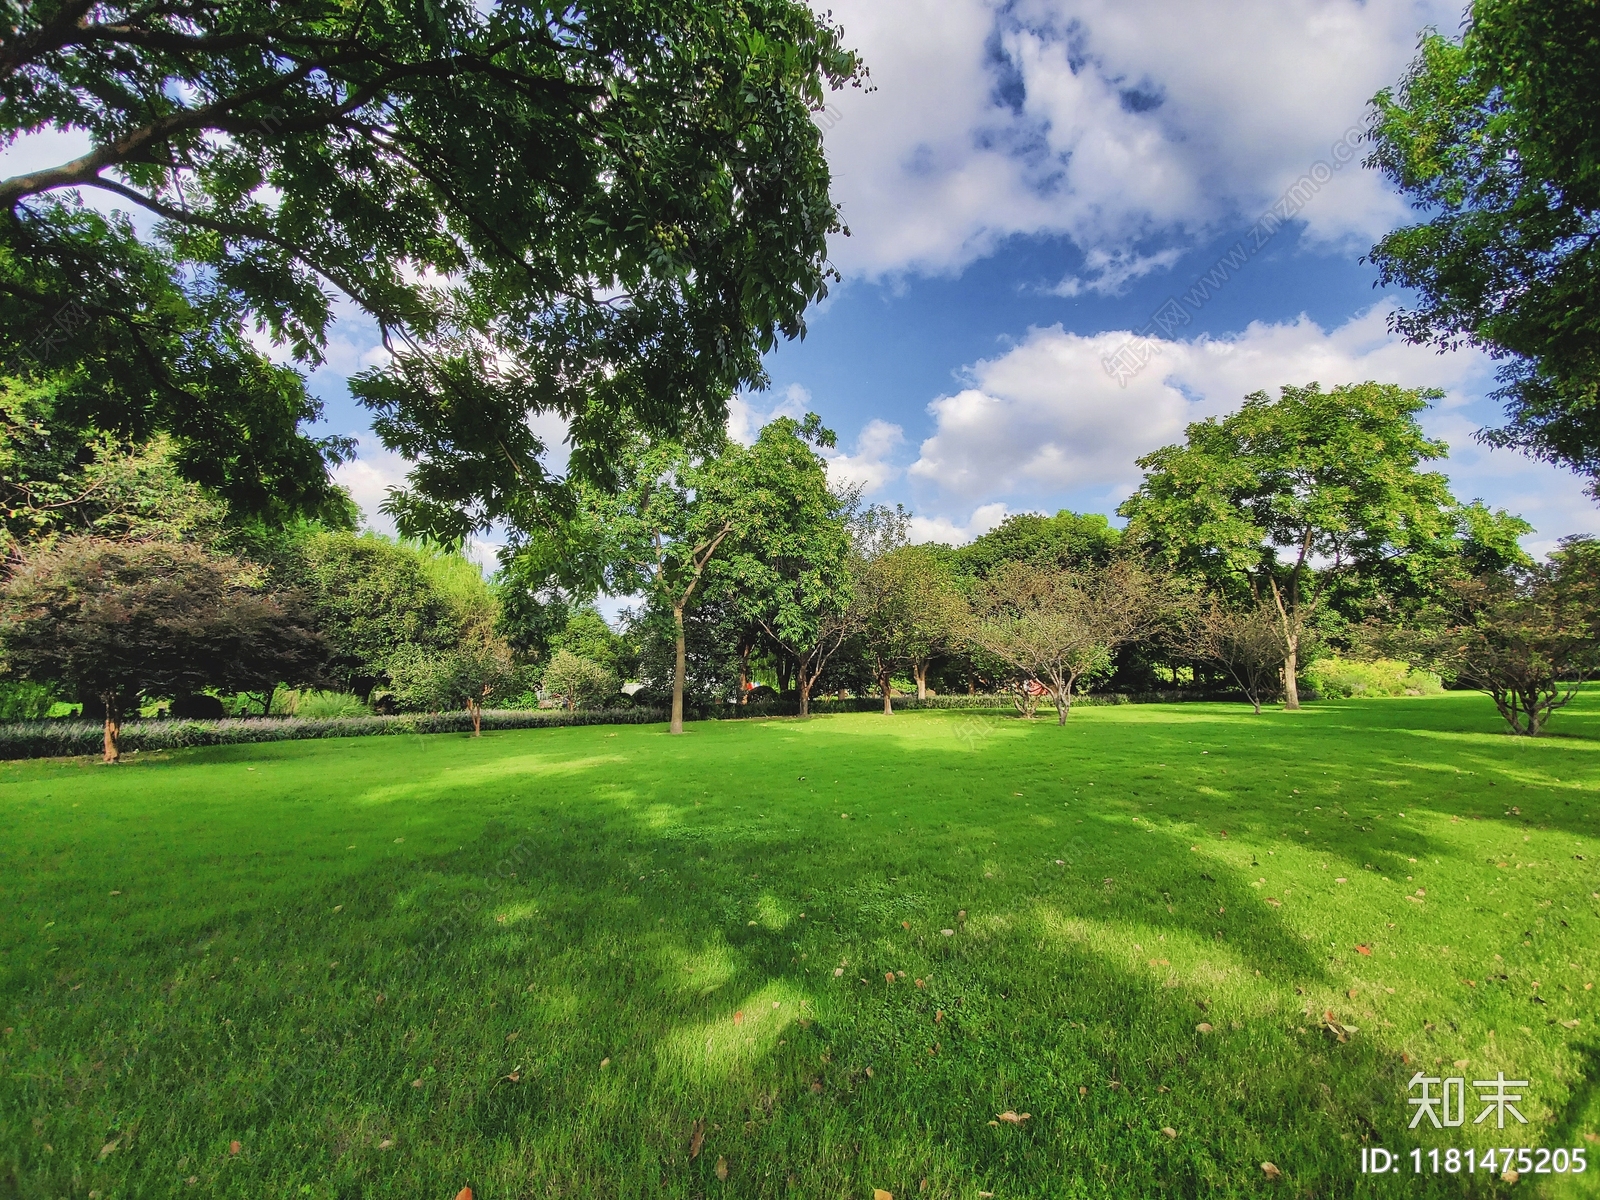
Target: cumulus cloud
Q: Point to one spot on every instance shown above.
(746, 417)
(368, 479)
(869, 465)
(942, 529)
(1045, 420)
(1109, 121)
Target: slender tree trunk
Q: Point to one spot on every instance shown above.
(883, 686)
(744, 673)
(972, 684)
(475, 707)
(678, 672)
(113, 730)
(1291, 689)
(785, 672)
(805, 693)
(919, 671)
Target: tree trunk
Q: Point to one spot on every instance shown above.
(785, 672)
(805, 693)
(678, 671)
(475, 707)
(972, 684)
(1291, 689)
(744, 673)
(883, 686)
(113, 729)
(920, 672)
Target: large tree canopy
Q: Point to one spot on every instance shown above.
(1494, 136)
(1296, 496)
(600, 209)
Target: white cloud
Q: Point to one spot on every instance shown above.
(1045, 420)
(369, 478)
(1111, 271)
(745, 419)
(942, 529)
(869, 466)
(1108, 121)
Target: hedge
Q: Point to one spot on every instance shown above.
(62, 738)
(49, 739)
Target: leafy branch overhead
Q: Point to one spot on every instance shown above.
(604, 211)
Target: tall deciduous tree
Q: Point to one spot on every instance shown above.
(789, 568)
(654, 532)
(1495, 136)
(605, 209)
(1291, 495)
(120, 620)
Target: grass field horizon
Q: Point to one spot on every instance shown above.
(804, 958)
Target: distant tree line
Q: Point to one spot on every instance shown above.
(1301, 527)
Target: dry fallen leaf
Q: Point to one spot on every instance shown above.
(1271, 1171)
(416, 1083)
(112, 1145)
(464, 1194)
(888, 976)
(838, 971)
(722, 1169)
(880, 1194)
(234, 1147)
(697, 1138)
(1511, 1176)
(938, 1016)
(738, 1018)
(1203, 1027)
(1169, 1131)
(1012, 1118)
(948, 932)
(1367, 950)
(604, 1063)
(1083, 1091)
(386, 1144)
(905, 924)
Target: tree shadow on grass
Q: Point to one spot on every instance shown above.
(553, 1006)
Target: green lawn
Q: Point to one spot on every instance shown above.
(535, 964)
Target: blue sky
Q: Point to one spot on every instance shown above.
(1028, 183)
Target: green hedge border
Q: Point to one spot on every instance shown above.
(63, 739)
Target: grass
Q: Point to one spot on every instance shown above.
(537, 963)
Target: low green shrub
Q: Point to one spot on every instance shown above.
(52, 739)
(313, 705)
(25, 701)
(1337, 678)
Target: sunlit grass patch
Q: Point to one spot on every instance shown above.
(539, 963)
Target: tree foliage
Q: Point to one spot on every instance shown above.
(1493, 136)
(1529, 637)
(1060, 626)
(578, 682)
(607, 210)
(1288, 498)
(121, 620)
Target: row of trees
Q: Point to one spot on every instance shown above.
(1299, 523)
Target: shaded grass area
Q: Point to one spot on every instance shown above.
(537, 963)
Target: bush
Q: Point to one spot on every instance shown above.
(321, 706)
(578, 682)
(198, 706)
(1337, 678)
(50, 739)
(25, 701)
